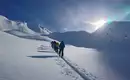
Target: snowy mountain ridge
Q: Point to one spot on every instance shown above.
(7, 25)
(43, 30)
(20, 29)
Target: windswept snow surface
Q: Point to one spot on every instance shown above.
(20, 60)
(89, 61)
(29, 36)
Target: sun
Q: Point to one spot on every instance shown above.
(98, 24)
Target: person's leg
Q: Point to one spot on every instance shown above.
(56, 49)
(52, 46)
(62, 52)
(59, 52)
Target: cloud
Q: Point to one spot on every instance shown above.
(63, 15)
(72, 17)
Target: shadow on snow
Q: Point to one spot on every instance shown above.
(46, 56)
(46, 51)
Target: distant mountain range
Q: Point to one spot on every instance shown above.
(114, 34)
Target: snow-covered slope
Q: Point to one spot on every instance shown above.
(105, 65)
(8, 25)
(20, 60)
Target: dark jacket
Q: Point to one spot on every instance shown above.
(62, 45)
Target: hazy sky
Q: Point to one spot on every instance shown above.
(62, 15)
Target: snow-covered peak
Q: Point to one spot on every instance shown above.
(43, 30)
(7, 25)
(3, 17)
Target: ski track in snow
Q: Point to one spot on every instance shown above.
(66, 71)
(65, 68)
(68, 68)
(89, 75)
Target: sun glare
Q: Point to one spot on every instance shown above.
(98, 24)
